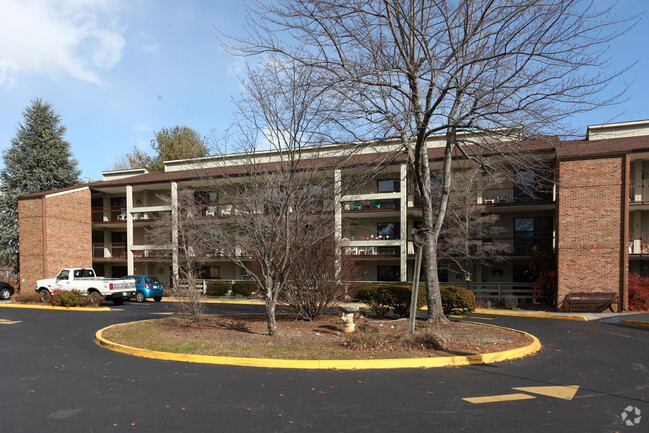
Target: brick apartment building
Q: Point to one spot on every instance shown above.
(595, 219)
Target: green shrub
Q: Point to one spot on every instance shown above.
(218, 288)
(244, 288)
(376, 297)
(65, 298)
(457, 300)
(396, 296)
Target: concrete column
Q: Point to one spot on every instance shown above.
(174, 232)
(129, 230)
(403, 213)
(338, 218)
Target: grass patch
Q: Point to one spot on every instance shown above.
(246, 336)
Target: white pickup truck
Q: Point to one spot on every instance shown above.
(86, 281)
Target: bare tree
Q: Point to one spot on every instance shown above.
(471, 234)
(183, 231)
(478, 76)
(318, 280)
(277, 193)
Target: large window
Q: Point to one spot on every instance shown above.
(387, 273)
(387, 185)
(388, 231)
(530, 233)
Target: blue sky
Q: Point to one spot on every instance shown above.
(116, 71)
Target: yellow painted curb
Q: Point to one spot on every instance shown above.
(51, 307)
(525, 314)
(329, 364)
(633, 323)
(220, 301)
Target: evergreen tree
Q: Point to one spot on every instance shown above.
(38, 159)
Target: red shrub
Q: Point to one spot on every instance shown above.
(638, 292)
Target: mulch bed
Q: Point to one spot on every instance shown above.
(324, 338)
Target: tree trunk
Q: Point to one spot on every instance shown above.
(271, 321)
(433, 295)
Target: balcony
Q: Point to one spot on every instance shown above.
(512, 245)
(372, 251)
(117, 215)
(109, 252)
(500, 197)
(638, 244)
(362, 206)
(639, 192)
(117, 251)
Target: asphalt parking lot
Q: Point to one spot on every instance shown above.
(589, 377)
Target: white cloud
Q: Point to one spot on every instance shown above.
(146, 42)
(58, 37)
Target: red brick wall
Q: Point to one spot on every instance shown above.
(589, 226)
(63, 240)
(68, 232)
(30, 232)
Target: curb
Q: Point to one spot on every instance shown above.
(633, 323)
(220, 301)
(51, 307)
(526, 314)
(329, 364)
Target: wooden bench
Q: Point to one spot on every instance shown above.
(601, 301)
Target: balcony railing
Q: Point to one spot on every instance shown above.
(117, 251)
(638, 243)
(499, 196)
(503, 244)
(368, 251)
(114, 251)
(117, 214)
(371, 205)
(639, 192)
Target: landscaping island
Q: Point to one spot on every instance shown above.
(246, 336)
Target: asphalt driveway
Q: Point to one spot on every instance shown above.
(56, 379)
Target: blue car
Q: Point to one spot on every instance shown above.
(147, 287)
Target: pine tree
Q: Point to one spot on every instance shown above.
(38, 159)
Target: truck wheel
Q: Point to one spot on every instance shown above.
(157, 298)
(118, 301)
(95, 297)
(5, 293)
(46, 296)
(140, 296)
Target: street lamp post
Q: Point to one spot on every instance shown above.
(419, 240)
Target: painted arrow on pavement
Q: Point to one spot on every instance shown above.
(561, 392)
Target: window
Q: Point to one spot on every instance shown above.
(387, 185)
(388, 230)
(530, 233)
(522, 274)
(210, 272)
(524, 185)
(387, 273)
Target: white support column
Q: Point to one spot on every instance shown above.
(338, 218)
(174, 232)
(129, 230)
(403, 212)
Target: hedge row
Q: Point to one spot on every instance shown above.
(380, 299)
(223, 288)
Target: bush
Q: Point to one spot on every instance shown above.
(218, 288)
(68, 298)
(638, 292)
(27, 297)
(457, 300)
(396, 296)
(376, 297)
(244, 288)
